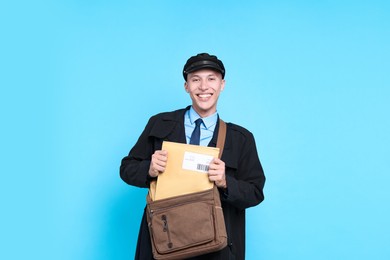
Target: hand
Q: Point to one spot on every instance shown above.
(217, 173)
(158, 163)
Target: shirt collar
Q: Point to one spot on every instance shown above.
(207, 121)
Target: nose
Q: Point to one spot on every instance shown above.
(203, 85)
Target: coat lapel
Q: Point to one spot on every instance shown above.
(171, 127)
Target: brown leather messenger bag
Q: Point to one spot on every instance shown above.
(188, 225)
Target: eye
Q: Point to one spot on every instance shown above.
(212, 78)
(195, 79)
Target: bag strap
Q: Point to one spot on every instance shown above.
(221, 137)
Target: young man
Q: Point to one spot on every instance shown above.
(238, 174)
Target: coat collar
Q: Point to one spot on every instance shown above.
(173, 127)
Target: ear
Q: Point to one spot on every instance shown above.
(222, 85)
(186, 87)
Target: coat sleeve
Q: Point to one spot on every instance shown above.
(135, 167)
(245, 184)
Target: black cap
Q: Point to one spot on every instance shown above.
(203, 61)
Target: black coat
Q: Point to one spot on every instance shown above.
(244, 176)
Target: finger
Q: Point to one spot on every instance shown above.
(215, 178)
(162, 157)
(161, 153)
(217, 164)
(159, 168)
(215, 169)
(214, 173)
(216, 161)
(211, 178)
(157, 158)
(156, 169)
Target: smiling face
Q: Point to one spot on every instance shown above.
(204, 87)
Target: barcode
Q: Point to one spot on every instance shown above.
(202, 167)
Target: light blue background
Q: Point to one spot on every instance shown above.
(79, 80)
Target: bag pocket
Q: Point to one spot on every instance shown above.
(182, 226)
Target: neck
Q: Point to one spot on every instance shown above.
(204, 113)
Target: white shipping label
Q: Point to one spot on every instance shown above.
(196, 162)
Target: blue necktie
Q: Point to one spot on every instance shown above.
(195, 137)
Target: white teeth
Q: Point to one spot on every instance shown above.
(205, 95)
